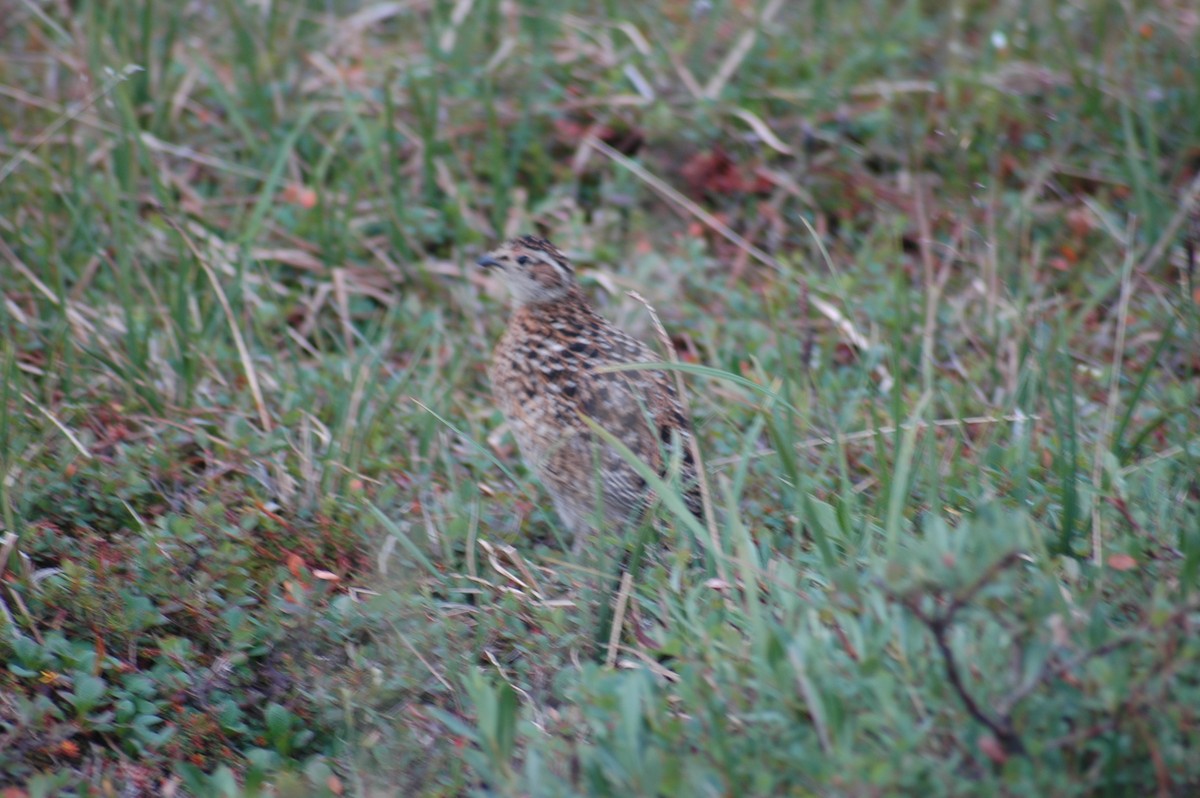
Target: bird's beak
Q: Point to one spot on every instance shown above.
(487, 261)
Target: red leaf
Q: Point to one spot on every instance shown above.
(991, 748)
(713, 172)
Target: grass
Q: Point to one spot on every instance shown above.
(261, 531)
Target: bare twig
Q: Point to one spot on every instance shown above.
(1053, 668)
(939, 623)
(1138, 702)
(998, 718)
(966, 596)
(1001, 726)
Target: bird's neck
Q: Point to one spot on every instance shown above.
(570, 302)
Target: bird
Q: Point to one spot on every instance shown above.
(546, 377)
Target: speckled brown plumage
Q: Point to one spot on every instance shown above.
(544, 378)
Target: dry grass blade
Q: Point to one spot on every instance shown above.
(763, 131)
(85, 327)
(614, 635)
(63, 428)
(461, 9)
(1103, 442)
(495, 552)
(870, 434)
(434, 672)
(681, 389)
(739, 51)
(7, 544)
(114, 80)
(243, 352)
(839, 320)
(342, 299)
(877, 88)
(188, 154)
(1189, 198)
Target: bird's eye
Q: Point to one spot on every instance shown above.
(523, 260)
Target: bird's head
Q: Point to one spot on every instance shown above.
(532, 268)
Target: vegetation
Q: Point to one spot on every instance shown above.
(923, 269)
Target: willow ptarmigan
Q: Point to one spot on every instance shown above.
(545, 380)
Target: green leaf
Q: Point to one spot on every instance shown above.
(506, 719)
(279, 722)
(86, 692)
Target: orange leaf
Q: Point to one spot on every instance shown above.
(1121, 562)
(303, 196)
(334, 784)
(295, 564)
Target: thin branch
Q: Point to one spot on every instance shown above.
(964, 597)
(999, 719)
(939, 624)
